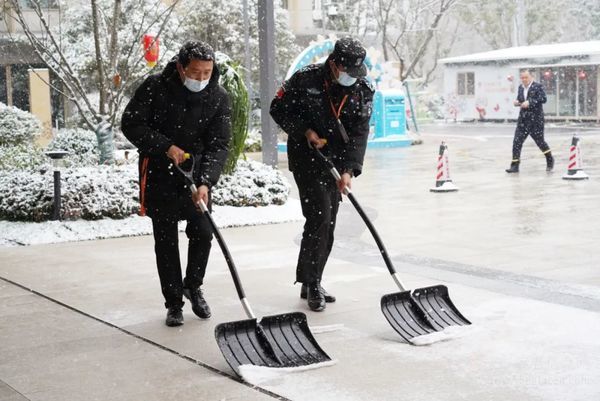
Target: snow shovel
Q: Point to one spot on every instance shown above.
(277, 341)
(424, 311)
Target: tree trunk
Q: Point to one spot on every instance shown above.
(99, 63)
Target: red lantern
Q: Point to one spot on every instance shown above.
(150, 43)
(582, 74)
(548, 74)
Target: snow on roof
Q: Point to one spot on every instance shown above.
(572, 49)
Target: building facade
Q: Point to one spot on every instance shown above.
(483, 86)
(25, 82)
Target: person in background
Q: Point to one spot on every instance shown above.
(530, 99)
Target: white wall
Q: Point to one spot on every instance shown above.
(495, 90)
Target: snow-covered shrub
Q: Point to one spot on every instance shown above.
(88, 193)
(81, 144)
(25, 156)
(253, 141)
(92, 193)
(251, 184)
(17, 126)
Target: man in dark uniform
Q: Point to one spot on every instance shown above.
(326, 106)
(181, 110)
(530, 99)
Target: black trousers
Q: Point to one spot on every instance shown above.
(166, 248)
(522, 132)
(320, 200)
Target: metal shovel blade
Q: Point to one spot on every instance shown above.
(244, 343)
(405, 315)
(292, 339)
(436, 302)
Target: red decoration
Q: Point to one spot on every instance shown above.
(150, 43)
(582, 74)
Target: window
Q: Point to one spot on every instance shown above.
(465, 83)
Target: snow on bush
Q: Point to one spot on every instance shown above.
(81, 144)
(93, 193)
(17, 126)
(25, 156)
(89, 193)
(251, 184)
(253, 141)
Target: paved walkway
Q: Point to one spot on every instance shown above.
(84, 321)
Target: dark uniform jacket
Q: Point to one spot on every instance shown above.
(303, 102)
(162, 113)
(532, 118)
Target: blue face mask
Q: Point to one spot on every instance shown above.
(195, 85)
(345, 80)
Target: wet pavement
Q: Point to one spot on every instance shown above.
(84, 321)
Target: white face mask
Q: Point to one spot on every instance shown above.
(345, 80)
(195, 85)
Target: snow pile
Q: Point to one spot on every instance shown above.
(251, 184)
(261, 374)
(81, 144)
(17, 126)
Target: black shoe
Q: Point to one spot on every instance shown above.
(328, 297)
(199, 305)
(549, 162)
(316, 299)
(174, 317)
(514, 168)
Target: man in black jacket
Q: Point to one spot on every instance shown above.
(324, 104)
(530, 99)
(181, 110)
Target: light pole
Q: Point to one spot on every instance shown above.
(56, 156)
(266, 44)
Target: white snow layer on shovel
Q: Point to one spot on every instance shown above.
(448, 333)
(257, 375)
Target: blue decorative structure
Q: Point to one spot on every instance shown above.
(388, 122)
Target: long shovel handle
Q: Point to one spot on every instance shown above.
(370, 226)
(232, 269)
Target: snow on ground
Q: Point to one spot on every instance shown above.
(261, 374)
(20, 233)
(447, 334)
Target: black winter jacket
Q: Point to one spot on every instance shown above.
(162, 113)
(303, 102)
(531, 119)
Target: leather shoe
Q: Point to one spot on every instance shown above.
(316, 299)
(328, 297)
(549, 163)
(174, 317)
(199, 305)
(514, 168)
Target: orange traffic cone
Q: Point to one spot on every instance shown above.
(575, 169)
(443, 183)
